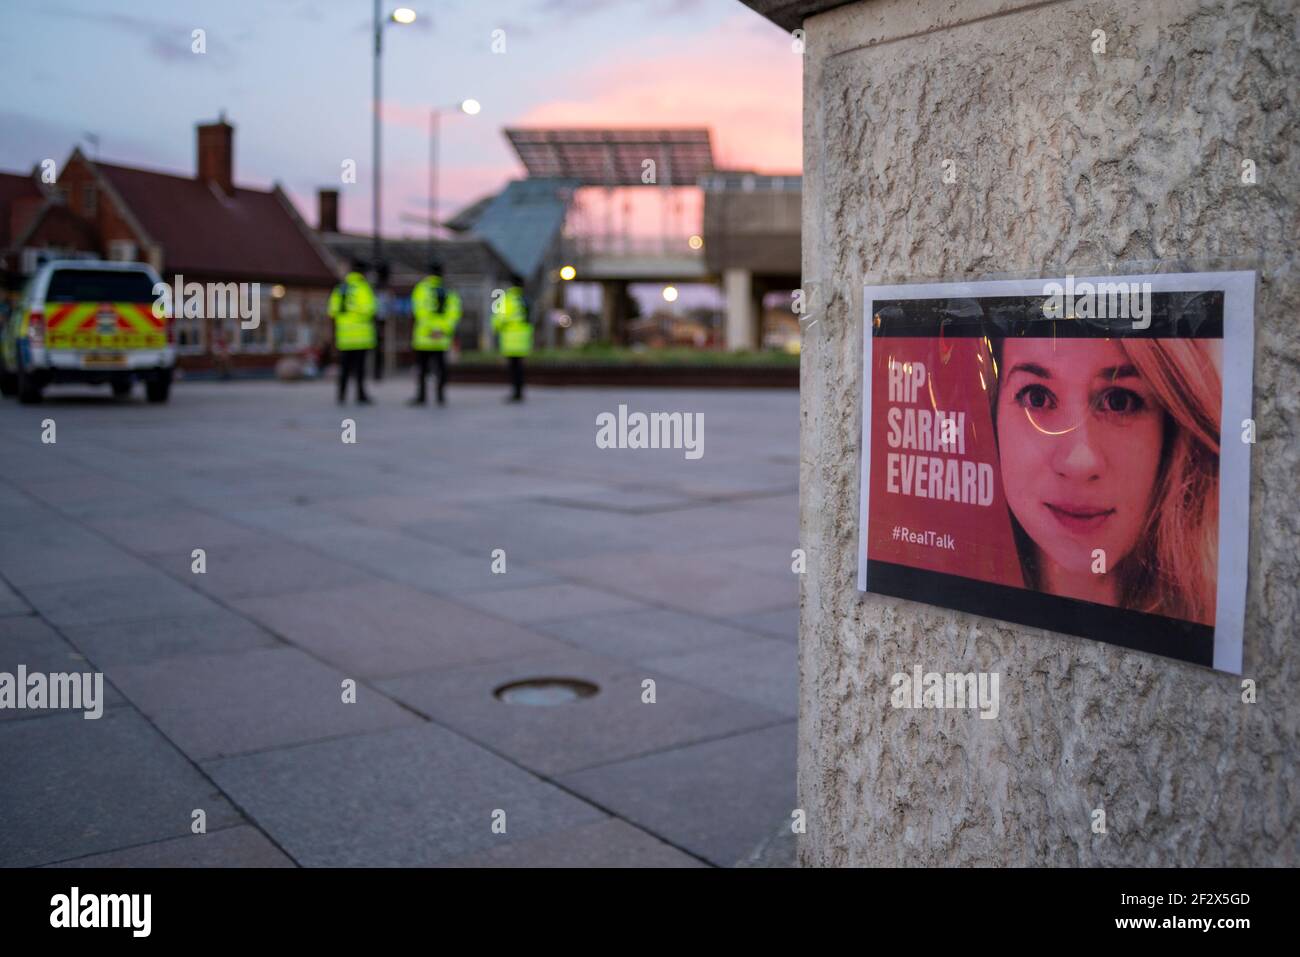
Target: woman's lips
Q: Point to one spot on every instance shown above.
(1079, 518)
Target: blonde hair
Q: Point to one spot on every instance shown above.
(1171, 570)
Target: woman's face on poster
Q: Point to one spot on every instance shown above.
(1079, 434)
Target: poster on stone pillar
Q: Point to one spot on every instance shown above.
(1068, 453)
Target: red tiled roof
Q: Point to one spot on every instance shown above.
(17, 188)
(248, 236)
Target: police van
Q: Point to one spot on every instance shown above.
(88, 321)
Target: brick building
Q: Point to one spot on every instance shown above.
(202, 227)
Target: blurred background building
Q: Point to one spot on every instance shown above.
(714, 269)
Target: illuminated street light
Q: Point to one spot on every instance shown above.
(401, 16)
(670, 293)
(567, 273)
(468, 107)
(695, 242)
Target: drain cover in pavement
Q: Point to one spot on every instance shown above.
(544, 692)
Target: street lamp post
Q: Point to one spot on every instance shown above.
(469, 107)
(401, 15)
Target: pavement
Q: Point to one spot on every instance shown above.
(663, 581)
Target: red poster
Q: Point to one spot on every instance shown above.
(1064, 453)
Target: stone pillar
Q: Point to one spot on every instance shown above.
(1067, 157)
(742, 316)
(613, 311)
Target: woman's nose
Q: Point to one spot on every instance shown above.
(1076, 455)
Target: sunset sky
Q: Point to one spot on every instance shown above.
(293, 76)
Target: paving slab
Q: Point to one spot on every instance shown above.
(374, 561)
(723, 524)
(764, 671)
(686, 582)
(394, 511)
(642, 636)
(271, 518)
(612, 724)
(83, 787)
(398, 557)
(11, 602)
(223, 705)
(389, 629)
(712, 799)
(219, 631)
(627, 500)
(541, 603)
(607, 843)
(781, 623)
(129, 597)
(530, 531)
(175, 531)
(76, 491)
(30, 641)
(413, 797)
(267, 566)
(62, 553)
(241, 846)
(765, 558)
(455, 577)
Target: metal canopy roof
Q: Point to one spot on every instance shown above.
(614, 157)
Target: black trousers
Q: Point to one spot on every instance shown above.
(352, 363)
(423, 358)
(517, 377)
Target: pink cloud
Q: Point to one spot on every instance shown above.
(745, 86)
(741, 80)
(392, 113)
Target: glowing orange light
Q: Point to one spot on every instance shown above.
(1047, 431)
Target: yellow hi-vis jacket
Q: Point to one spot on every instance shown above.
(352, 307)
(436, 313)
(510, 322)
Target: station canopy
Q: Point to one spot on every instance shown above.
(615, 157)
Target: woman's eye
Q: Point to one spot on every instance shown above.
(1121, 401)
(1035, 397)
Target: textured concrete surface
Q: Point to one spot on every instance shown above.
(608, 843)
(240, 846)
(679, 794)
(372, 562)
(615, 724)
(73, 787)
(1066, 160)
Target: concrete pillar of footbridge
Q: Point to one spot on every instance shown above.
(889, 787)
(613, 311)
(742, 309)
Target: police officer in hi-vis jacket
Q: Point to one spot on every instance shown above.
(435, 311)
(352, 307)
(514, 336)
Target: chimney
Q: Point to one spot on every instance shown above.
(216, 143)
(327, 210)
